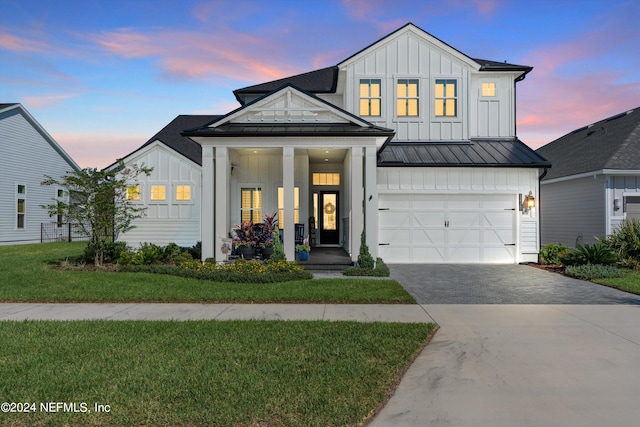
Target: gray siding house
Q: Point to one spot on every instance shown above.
(27, 153)
(409, 140)
(595, 181)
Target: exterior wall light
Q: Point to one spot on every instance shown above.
(529, 202)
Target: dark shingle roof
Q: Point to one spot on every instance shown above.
(170, 136)
(487, 152)
(612, 143)
(318, 81)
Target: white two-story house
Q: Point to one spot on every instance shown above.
(409, 140)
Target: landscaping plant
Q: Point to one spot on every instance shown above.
(597, 253)
(550, 253)
(97, 203)
(592, 271)
(625, 242)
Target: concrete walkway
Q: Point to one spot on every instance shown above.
(332, 312)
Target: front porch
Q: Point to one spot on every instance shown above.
(327, 259)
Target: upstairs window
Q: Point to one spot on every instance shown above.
(183, 193)
(251, 205)
(370, 98)
(133, 192)
(489, 89)
(407, 101)
(158, 192)
(446, 98)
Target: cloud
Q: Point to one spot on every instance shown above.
(98, 150)
(46, 101)
(192, 55)
(579, 80)
(20, 44)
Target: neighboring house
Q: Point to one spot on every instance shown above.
(409, 140)
(595, 180)
(27, 154)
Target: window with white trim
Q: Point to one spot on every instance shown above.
(296, 206)
(251, 205)
(158, 193)
(370, 97)
(446, 98)
(488, 89)
(183, 193)
(407, 98)
(21, 206)
(133, 192)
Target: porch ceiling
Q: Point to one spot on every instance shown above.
(316, 155)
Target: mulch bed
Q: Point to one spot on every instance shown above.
(549, 267)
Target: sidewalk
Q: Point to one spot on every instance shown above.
(407, 313)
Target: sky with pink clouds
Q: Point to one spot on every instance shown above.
(102, 77)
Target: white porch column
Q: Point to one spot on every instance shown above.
(357, 196)
(371, 199)
(206, 213)
(221, 197)
(287, 184)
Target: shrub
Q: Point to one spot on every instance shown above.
(112, 251)
(625, 242)
(597, 253)
(365, 260)
(381, 270)
(550, 253)
(195, 251)
(150, 253)
(278, 250)
(592, 271)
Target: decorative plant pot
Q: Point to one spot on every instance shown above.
(303, 256)
(267, 252)
(246, 252)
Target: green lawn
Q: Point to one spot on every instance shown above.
(242, 373)
(629, 282)
(26, 275)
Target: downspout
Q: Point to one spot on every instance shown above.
(540, 178)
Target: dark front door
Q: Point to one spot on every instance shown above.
(329, 218)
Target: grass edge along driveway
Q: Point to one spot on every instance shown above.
(27, 275)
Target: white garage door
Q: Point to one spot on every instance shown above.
(438, 228)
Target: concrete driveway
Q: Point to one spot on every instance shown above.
(568, 356)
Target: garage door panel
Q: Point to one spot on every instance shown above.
(428, 254)
(498, 255)
(428, 219)
(462, 237)
(395, 236)
(394, 218)
(462, 254)
(436, 228)
(394, 254)
(498, 219)
(427, 201)
(396, 201)
(463, 219)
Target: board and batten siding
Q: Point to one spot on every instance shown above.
(264, 171)
(168, 221)
(473, 181)
(573, 211)
(26, 156)
(410, 56)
